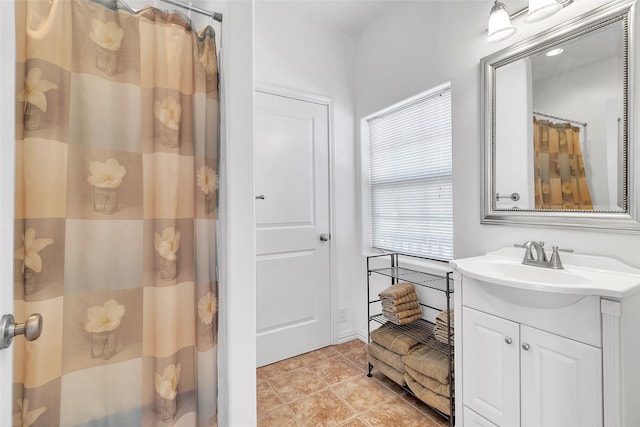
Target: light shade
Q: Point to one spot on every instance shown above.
(540, 9)
(499, 23)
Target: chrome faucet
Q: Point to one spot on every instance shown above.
(540, 259)
(541, 256)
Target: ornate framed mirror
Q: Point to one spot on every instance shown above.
(557, 126)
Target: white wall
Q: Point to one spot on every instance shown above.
(314, 59)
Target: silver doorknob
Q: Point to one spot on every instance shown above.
(508, 340)
(31, 329)
(324, 237)
(526, 346)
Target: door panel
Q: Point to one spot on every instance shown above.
(491, 362)
(7, 180)
(292, 264)
(561, 381)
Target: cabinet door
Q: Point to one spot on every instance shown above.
(561, 381)
(471, 419)
(491, 383)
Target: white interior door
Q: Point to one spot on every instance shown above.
(7, 107)
(292, 262)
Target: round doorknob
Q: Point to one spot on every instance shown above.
(325, 237)
(508, 340)
(526, 346)
(31, 329)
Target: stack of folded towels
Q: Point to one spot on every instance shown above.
(427, 375)
(441, 330)
(386, 350)
(400, 304)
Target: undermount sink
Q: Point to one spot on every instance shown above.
(582, 275)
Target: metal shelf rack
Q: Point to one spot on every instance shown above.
(420, 330)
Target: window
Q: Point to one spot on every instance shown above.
(410, 176)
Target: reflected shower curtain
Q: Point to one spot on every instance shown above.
(116, 160)
(560, 179)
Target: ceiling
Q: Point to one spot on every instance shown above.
(348, 16)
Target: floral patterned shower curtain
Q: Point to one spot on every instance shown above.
(560, 178)
(116, 160)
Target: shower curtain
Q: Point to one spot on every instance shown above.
(116, 199)
(560, 179)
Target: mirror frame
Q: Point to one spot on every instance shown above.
(624, 221)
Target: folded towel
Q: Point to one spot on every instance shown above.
(442, 334)
(428, 382)
(390, 301)
(387, 356)
(405, 320)
(432, 399)
(401, 315)
(398, 290)
(396, 308)
(393, 340)
(441, 319)
(429, 362)
(391, 373)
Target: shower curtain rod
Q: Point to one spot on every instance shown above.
(213, 14)
(551, 116)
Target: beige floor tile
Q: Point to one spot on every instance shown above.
(279, 368)
(318, 355)
(266, 397)
(349, 346)
(296, 384)
(321, 409)
(387, 382)
(363, 392)
(294, 393)
(396, 413)
(279, 417)
(359, 358)
(335, 370)
(356, 422)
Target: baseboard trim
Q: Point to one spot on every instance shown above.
(352, 335)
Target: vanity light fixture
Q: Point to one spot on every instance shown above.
(554, 52)
(541, 9)
(499, 23)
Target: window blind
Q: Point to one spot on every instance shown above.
(411, 180)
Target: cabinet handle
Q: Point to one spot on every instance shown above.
(508, 340)
(526, 346)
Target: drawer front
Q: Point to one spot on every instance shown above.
(569, 316)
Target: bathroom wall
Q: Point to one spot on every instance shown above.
(314, 59)
(418, 45)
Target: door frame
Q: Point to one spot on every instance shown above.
(271, 89)
(7, 190)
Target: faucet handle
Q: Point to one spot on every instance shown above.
(563, 250)
(555, 258)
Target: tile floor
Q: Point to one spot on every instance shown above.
(330, 387)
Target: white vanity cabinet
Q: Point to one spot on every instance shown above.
(516, 375)
(537, 347)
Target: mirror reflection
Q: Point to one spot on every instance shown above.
(559, 125)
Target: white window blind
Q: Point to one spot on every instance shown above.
(411, 181)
